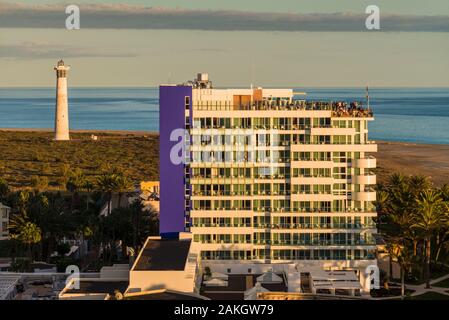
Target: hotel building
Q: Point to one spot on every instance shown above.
(262, 178)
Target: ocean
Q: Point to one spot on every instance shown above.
(418, 115)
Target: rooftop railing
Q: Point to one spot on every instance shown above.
(338, 108)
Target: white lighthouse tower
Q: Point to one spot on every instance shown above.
(62, 106)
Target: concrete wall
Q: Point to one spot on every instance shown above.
(171, 117)
(153, 280)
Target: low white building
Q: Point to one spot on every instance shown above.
(4, 221)
(335, 282)
(102, 286)
(170, 264)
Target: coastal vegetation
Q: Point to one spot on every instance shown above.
(32, 160)
(413, 219)
(42, 223)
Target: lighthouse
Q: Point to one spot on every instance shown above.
(62, 106)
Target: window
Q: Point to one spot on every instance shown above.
(187, 102)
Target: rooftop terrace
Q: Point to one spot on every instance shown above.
(338, 108)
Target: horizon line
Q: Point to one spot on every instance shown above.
(237, 87)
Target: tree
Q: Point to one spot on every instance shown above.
(76, 181)
(429, 218)
(106, 183)
(122, 185)
(4, 190)
(25, 232)
(64, 174)
(113, 182)
(401, 251)
(39, 183)
(396, 203)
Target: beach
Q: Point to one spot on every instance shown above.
(431, 160)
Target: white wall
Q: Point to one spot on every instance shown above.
(153, 280)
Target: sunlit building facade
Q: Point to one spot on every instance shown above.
(267, 177)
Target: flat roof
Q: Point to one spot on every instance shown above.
(163, 295)
(99, 286)
(163, 255)
(237, 285)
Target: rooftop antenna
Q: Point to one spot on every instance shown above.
(252, 74)
(252, 81)
(367, 97)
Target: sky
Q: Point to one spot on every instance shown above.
(267, 43)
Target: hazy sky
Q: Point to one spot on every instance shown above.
(149, 55)
(419, 7)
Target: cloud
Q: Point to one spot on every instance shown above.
(127, 16)
(39, 50)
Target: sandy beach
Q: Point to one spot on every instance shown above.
(430, 160)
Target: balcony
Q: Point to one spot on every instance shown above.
(368, 178)
(324, 243)
(282, 226)
(368, 195)
(367, 162)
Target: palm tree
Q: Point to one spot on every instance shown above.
(396, 180)
(106, 183)
(75, 182)
(25, 232)
(395, 205)
(445, 192)
(419, 184)
(404, 257)
(65, 174)
(122, 184)
(429, 218)
(88, 187)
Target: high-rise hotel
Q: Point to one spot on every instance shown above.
(262, 178)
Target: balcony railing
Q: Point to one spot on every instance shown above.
(315, 243)
(339, 109)
(314, 226)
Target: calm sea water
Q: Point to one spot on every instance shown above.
(412, 115)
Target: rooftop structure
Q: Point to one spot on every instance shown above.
(335, 282)
(97, 286)
(170, 264)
